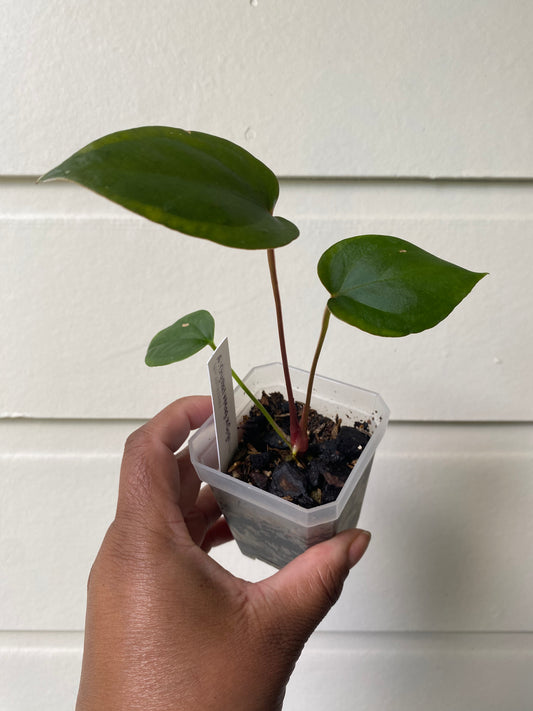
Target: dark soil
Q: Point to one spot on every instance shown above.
(318, 476)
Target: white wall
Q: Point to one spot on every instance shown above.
(405, 118)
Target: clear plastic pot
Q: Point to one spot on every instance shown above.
(266, 526)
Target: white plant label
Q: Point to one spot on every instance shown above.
(219, 368)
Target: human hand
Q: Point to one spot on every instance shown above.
(167, 627)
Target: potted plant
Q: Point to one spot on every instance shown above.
(208, 187)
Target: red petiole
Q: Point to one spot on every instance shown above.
(298, 429)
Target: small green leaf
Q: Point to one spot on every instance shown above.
(191, 182)
(390, 287)
(181, 340)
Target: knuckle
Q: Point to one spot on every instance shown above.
(331, 583)
(137, 468)
(138, 440)
(120, 558)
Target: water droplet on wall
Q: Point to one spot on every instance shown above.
(250, 134)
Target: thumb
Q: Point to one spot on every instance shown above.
(307, 588)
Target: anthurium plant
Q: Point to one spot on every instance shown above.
(209, 187)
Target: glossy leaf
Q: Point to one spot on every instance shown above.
(390, 287)
(192, 182)
(181, 340)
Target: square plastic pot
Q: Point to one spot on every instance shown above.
(266, 526)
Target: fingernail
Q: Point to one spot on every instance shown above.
(358, 547)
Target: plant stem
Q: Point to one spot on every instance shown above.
(281, 434)
(294, 425)
(305, 414)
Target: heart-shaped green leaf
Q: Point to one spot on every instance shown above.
(390, 287)
(192, 182)
(181, 340)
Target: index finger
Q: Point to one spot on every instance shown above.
(149, 477)
(174, 423)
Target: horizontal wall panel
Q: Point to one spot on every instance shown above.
(449, 507)
(390, 89)
(389, 672)
(300, 197)
(39, 671)
(420, 673)
(84, 293)
(55, 512)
